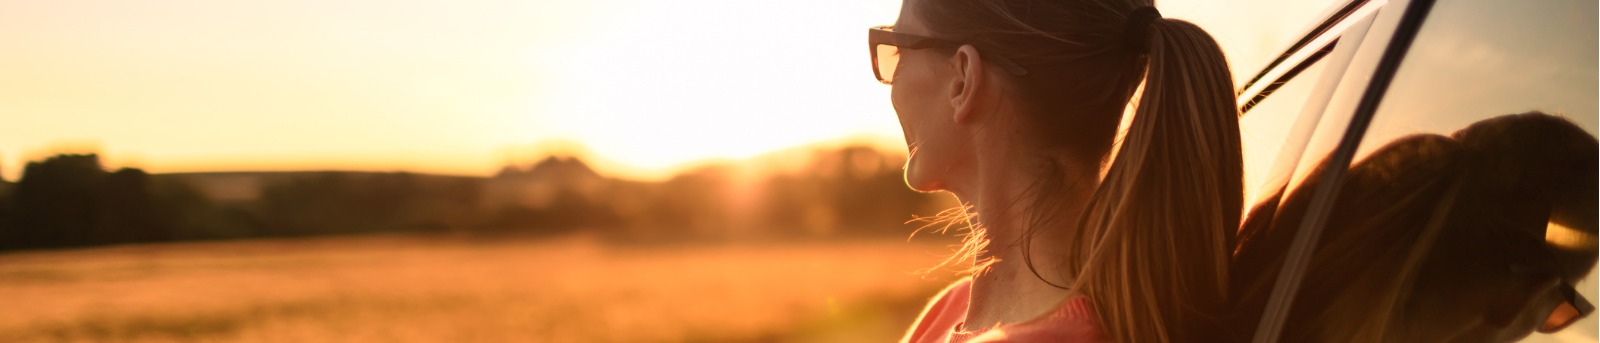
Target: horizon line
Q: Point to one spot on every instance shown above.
(603, 166)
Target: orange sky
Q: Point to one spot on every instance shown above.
(462, 87)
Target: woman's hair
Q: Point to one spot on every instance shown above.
(1420, 216)
(1152, 251)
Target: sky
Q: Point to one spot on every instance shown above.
(642, 87)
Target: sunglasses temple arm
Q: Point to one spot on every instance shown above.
(1583, 305)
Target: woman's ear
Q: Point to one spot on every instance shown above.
(967, 85)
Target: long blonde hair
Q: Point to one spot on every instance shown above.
(1155, 240)
(1153, 246)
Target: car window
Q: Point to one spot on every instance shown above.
(1474, 62)
(1268, 242)
(1483, 135)
(1275, 131)
(1363, 46)
(1266, 128)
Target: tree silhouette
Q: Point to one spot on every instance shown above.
(56, 201)
(71, 200)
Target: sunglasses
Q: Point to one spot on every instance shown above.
(885, 45)
(1572, 308)
(1575, 308)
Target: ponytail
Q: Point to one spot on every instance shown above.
(1156, 235)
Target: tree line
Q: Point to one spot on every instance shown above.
(73, 200)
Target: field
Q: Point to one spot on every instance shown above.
(442, 289)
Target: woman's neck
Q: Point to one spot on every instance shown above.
(1008, 291)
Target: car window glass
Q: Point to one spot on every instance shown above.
(1266, 233)
(1476, 61)
(1363, 46)
(1277, 130)
(1264, 130)
(1441, 216)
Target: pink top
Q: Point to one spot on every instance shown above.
(942, 321)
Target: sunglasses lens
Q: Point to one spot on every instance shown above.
(1559, 318)
(885, 62)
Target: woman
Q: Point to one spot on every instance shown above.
(1014, 107)
(1475, 237)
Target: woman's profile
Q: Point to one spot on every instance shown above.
(1014, 107)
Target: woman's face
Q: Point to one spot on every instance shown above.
(922, 93)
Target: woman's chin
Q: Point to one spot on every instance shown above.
(922, 182)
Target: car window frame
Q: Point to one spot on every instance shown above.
(1299, 252)
(1312, 46)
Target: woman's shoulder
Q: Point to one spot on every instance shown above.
(942, 314)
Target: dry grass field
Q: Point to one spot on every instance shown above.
(422, 289)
